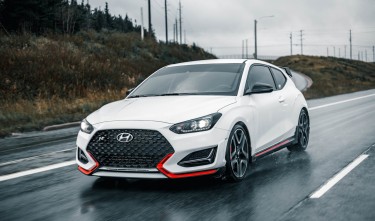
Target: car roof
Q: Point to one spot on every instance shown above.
(212, 61)
(221, 61)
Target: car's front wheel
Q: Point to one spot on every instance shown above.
(302, 133)
(237, 154)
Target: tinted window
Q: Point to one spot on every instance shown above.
(279, 78)
(207, 79)
(259, 74)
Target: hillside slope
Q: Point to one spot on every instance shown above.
(331, 76)
(57, 78)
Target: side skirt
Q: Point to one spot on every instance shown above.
(275, 148)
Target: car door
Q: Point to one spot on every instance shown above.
(285, 99)
(263, 108)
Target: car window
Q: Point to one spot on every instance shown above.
(203, 79)
(279, 78)
(259, 74)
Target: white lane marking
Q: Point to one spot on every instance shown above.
(33, 157)
(340, 102)
(335, 179)
(37, 170)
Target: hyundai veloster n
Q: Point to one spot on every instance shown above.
(212, 117)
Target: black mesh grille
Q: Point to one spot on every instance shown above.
(147, 148)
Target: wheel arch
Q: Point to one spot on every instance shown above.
(247, 133)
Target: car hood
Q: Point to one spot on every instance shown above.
(171, 109)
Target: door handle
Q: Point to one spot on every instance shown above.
(281, 99)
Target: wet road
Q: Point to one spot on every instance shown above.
(277, 188)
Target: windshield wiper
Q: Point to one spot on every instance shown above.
(143, 95)
(176, 94)
(156, 95)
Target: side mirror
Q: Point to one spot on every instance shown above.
(129, 91)
(287, 70)
(259, 88)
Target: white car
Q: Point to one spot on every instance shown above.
(211, 117)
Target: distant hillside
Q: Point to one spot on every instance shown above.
(332, 76)
(61, 78)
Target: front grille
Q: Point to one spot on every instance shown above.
(147, 148)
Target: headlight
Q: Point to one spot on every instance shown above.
(86, 127)
(196, 125)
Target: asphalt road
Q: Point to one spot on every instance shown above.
(278, 187)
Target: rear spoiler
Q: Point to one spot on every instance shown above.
(287, 70)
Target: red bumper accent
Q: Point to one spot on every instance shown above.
(91, 170)
(161, 168)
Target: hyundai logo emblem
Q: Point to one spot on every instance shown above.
(124, 137)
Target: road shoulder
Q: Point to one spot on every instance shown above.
(352, 198)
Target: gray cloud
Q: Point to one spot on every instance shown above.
(223, 24)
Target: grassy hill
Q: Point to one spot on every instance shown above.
(55, 79)
(331, 76)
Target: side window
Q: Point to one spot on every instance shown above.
(259, 74)
(279, 78)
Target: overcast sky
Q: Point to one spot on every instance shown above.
(222, 25)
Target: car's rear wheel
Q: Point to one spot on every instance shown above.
(302, 133)
(237, 154)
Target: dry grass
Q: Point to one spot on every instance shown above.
(24, 115)
(56, 79)
(332, 76)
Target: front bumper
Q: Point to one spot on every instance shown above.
(183, 145)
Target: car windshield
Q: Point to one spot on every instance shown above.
(203, 79)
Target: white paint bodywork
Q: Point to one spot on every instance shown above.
(269, 118)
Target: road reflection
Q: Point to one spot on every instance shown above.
(201, 198)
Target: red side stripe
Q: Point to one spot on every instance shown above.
(272, 148)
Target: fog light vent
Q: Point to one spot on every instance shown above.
(81, 156)
(199, 158)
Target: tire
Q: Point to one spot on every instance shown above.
(302, 133)
(237, 154)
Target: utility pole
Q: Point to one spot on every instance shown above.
(301, 35)
(247, 54)
(334, 51)
(345, 51)
(366, 54)
(166, 21)
(142, 31)
(350, 40)
(149, 18)
(176, 31)
(291, 43)
(243, 49)
(255, 35)
(180, 24)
